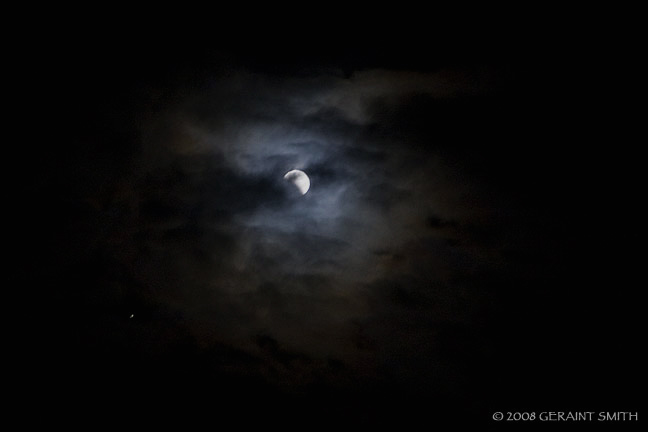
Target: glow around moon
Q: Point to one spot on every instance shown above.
(299, 179)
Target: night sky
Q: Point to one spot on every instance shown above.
(468, 244)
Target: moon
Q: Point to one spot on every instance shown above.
(299, 179)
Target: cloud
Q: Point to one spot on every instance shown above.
(370, 262)
(355, 96)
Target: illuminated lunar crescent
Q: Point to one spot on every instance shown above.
(299, 179)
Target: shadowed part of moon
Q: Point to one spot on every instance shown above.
(299, 179)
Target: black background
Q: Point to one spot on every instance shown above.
(564, 163)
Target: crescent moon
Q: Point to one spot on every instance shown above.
(299, 179)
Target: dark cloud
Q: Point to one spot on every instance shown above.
(354, 284)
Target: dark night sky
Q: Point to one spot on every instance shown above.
(467, 245)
